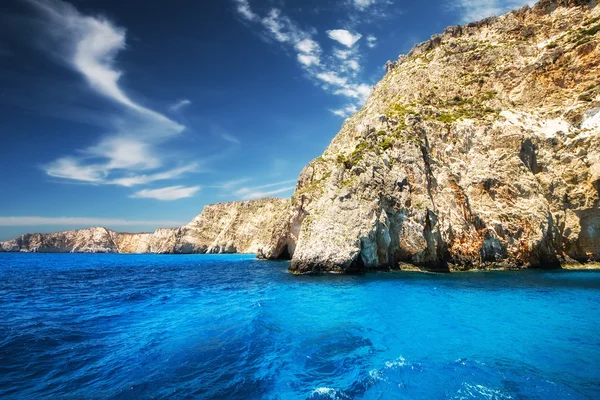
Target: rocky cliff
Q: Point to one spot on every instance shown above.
(236, 227)
(480, 148)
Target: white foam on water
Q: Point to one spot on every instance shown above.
(325, 391)
(477, 391)
(399, 362)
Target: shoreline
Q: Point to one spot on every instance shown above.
(403, 267)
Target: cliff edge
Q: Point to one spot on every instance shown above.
(478, 149)
(235, 227)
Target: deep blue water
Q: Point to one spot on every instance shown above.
(137, 327)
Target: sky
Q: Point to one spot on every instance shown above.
(135, 114)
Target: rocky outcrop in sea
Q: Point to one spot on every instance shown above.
(478, 149)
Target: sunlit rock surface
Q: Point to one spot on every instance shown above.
(479, 149)
(235, 227)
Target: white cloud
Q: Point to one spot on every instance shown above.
(260, 195)
(309, 52)
(70, 168)
(342, 54)
(249, 193)
(353, 65)
(228, 185)
(307, 46)
(336, 73)
(83, 221)
(357, 91)
(134, 180)
(308, 60)
(281, 28)
(180, 104)
(332, 78)
(167, 193)
(244, 9)
(123, 152)
(346, 111)
(370, 10)
(362, 4)
(371, 41)
(90, 45)
(344, 37)
(230, 138)
(473, 10)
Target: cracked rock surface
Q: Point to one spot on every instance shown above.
(479, 149)
(235, 227)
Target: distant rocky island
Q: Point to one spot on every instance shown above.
(235, 227)
(478, 149)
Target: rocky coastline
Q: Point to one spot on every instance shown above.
(234, 227)
(478, 150)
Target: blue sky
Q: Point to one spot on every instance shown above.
(135, 114)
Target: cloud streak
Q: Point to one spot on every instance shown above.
(473, 10)
(250, 193)
(336, 73)
(127, 154)
(169, 193)
(180, 104)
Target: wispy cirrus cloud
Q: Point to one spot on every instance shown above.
(180, 104)
(362, 4)
(270, 189)
(231, 184)
(167, 193)
(83, 221)
(337, 73)
(127, 154)
(371, 41)
(346, 111)
(230, 138)
(367, 11)
(269, 193)
(135, 180)
(243, 8)
(473, 10)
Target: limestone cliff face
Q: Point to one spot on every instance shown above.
(478, 149)
(236, 227)
(92, 240)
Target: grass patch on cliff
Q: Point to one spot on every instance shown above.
(454, 115)
(591, 21)
(458, 108)
(591, 31)
(387, 143)
(356, 155)
(316, 185)
(400, 110)
(584, 35)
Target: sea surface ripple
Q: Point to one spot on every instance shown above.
(231, 327)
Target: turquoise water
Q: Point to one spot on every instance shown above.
(137, 327)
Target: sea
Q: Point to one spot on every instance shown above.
(106, 326)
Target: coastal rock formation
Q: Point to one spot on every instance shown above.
(478, 149)
(235, 227)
